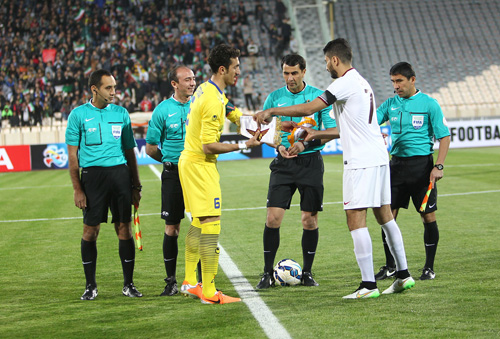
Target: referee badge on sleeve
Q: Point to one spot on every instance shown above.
(117, 131)
(417, 121)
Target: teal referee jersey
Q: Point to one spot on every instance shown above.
(414, 124)
(102, 135)
(283, 97)
(167, 128)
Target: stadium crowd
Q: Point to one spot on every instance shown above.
(49, 48)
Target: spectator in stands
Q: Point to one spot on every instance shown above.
(248, 92)
(14, 120)
(146, 105)
(47, 114)
(25, 122)
(253, 51)
(7, 113)
(286, 33)
(280, 10)
(37, 112)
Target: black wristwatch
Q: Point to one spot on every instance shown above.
(439, 167)
(138, 188)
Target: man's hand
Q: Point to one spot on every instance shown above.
(263, 117)
(136, 197)
(254, 140)
(80, 199)
(436, 175)
(310, 133)
(295, 149)
(288, 126)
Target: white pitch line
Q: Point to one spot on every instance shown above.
(266, 319)
(239, 209)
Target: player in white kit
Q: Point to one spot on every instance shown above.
(366, 182)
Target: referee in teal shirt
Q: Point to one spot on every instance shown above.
(416, 120)
(100, 141)
(167, 131)
(297, 166)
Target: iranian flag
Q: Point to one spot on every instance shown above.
(80, 15)
(88, 71)
(79, 47)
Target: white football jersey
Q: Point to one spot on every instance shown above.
(356, 115)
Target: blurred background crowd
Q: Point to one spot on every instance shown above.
(49, 48)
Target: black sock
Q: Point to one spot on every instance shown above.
(271, 245)
(309, 244)
(431, 239)
(402, 274)
(389, 259)
(126, 249)
(170, 251)
(371, 285)
(89, 260)
(200, 277)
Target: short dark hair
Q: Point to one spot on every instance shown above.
(403, 68)
(340, 48)
(95, 78)
(293, 60)
(172, 75)
(221, 55)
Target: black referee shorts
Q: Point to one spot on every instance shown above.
(410, 178)
(304, 173)
(172, 201)
(107, 187)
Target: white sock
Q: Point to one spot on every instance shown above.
(363, 251)
(395, 242)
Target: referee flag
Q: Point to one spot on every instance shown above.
(137, 229)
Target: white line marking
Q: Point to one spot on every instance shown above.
(266, 319)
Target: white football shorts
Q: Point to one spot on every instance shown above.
(367, 187)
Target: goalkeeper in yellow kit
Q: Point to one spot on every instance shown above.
(199, 176)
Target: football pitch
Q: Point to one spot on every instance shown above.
(41, 276)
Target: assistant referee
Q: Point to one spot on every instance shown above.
(100, 141)
(416, 119)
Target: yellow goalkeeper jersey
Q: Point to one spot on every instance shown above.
(205, 121)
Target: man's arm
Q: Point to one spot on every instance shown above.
(134, 174)
(300, 110)
(154, 152)
(325, 135)
(74, 173)
(220, 147)
(444, 146)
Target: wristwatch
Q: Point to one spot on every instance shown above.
(439, 166)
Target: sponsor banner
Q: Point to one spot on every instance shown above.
(15, 158)
(474, 133)
(140, 153)
(51, 156)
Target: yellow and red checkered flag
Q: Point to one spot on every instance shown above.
(137, 228)
(426, 198)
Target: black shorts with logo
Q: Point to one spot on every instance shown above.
(304, 173)
(410, 178)
(107, 188)
(172, 201)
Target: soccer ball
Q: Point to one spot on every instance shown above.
(287, 272)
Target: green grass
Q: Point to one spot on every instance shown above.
(41, 276)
